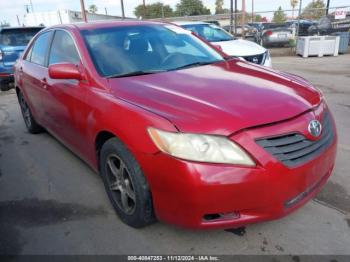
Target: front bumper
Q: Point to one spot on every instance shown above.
(185, 193)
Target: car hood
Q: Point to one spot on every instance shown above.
(240, 47)
(221, 98)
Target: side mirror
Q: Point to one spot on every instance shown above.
(64, 71)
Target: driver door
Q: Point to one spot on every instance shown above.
(65, 104)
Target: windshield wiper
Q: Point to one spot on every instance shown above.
(135, 73)
(193, 64)
(224, 40)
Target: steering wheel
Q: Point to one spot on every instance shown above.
(169, 59)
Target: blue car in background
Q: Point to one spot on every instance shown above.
(13, 41)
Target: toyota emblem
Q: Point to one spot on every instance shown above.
(315, 128)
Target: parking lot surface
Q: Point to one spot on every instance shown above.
(53, 203)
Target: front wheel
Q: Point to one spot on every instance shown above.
(32, 126)
(125, 184)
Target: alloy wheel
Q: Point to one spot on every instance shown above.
(120, 184)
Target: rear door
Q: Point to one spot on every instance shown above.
(33, 72)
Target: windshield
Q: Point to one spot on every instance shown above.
(211, 33)
(135, 50)
(17, 37)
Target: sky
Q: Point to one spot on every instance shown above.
(9, 9)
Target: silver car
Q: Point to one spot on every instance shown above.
(276, 34)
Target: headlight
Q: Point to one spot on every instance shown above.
(201, 148)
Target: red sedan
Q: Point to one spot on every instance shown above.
(177, 130)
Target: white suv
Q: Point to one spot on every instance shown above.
(230, 45)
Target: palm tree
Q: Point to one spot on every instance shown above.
(294, 4)
(93, 9)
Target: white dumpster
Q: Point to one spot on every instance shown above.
(318, 46)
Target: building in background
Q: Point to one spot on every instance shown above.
(62, 17)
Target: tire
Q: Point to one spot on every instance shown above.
(4, 86)
(125, 184)
(32, 126)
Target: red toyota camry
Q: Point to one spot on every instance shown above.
(177, 130)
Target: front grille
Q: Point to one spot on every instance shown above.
(295, 149)
(256, 59)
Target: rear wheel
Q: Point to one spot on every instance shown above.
(125, 184)
(32, 126)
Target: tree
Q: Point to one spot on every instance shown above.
(156, 10)
(314, 10)
(258, 18)
(219, 7)
(293, 4)
(93, 9)
(279, 16)
(191, 7)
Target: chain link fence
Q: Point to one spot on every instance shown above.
(162, 11)
(232, 19)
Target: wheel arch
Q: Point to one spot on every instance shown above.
(17, 89)
(102, 137)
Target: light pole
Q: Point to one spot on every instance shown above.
(243, 18)
(236, 17)
(82, 6)
(327, 10)
(231, 16)
(253, 11)
(299, 13)
(122, 6)
(144, 9)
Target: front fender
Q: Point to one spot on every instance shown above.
(128, 122)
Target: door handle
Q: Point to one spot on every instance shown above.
(43, 83)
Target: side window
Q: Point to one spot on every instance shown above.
(39, 50)
(63, 49)
(29, 54)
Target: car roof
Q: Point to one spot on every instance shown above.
(180, 23)
(105, 24)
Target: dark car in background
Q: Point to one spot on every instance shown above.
(250, 32)
(328, 25)
(304, 26)
(13, 41)
(257, 25)
(275, 34)
(214, 22)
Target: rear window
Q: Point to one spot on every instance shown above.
(18, 36)
(272, 26)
